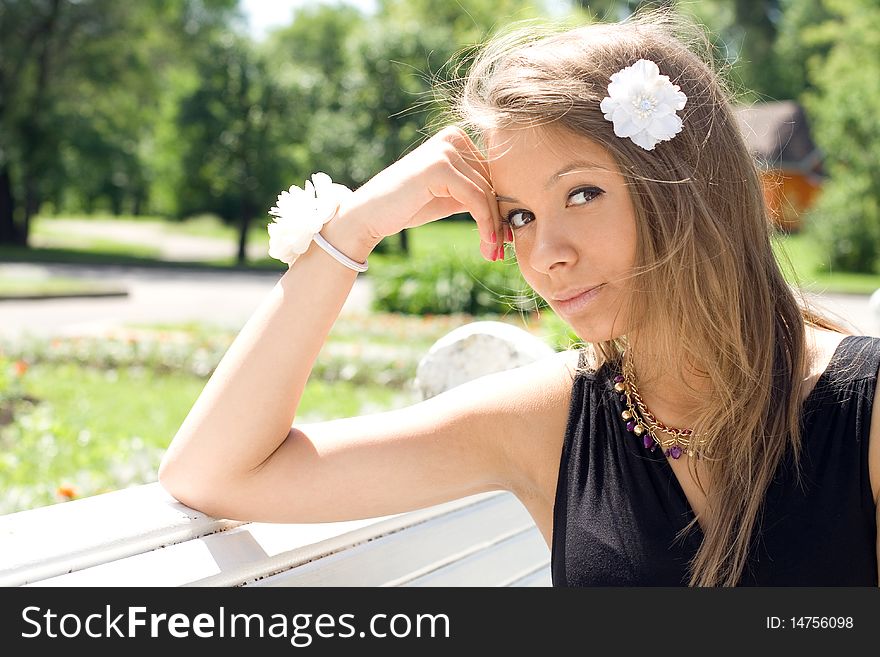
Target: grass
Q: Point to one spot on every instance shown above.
(84, 415)
(73, 428)
(54, 241)
(447, 235)
(84, 431)
(210, 226)
(803, 262)
(58, 237)
(25, 287)
(117, 404)
(423, 242)
(99, 256)
(63, 248)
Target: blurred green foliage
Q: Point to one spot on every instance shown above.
(172, 109)
(449, 283)
(80, 83)
(845, 105)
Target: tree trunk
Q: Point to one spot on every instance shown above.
(31, 206)
(116, 203)
(9, 232)
(244, 221)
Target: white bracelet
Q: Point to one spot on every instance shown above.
(339, 255)
(300, 214)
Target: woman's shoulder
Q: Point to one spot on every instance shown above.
(838, 358)
(584, 361)
(840, 362)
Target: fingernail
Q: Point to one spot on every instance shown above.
(509, 234)
(494, 237)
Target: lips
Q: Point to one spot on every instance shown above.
(581, 301)
(571, 294)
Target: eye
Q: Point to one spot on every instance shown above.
(584, 195)
(518, 218)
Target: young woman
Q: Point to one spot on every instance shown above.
(713, 431)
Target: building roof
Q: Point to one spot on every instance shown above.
(778, 135)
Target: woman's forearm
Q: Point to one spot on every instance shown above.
(248, 405)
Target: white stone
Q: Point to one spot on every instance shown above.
(474, 350)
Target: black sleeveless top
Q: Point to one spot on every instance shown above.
(619, 506)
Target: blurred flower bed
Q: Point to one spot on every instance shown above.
(88, 414)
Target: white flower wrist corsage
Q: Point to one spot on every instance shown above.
(642, 104)
(300, 214)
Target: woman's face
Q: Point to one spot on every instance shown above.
(573, 224)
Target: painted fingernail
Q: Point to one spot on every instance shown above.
(494, 237)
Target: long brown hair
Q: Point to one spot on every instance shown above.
(705, 271)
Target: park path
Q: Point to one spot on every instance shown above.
(224, 298)
(172, 246)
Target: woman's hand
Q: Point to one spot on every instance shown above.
(445, 175)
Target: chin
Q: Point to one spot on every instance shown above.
(593, 332)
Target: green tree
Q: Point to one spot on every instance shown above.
(231, 138)
(77, 80)
(793, 51)
(757, 42)
(468, 21)
(616, 10)
(399, 60)
(363, 85)
(312, 60)
(845, 106)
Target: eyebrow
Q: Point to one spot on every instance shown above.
(571, 167)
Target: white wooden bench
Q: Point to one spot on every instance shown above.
(141, 536)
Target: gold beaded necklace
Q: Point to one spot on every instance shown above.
(641, 422)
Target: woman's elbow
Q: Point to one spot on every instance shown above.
(182, 485)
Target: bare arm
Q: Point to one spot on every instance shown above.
(237, 446)
(874, 463)
(249, 403)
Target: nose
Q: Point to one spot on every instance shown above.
(552, 247)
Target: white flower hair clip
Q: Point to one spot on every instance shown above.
(300, 214)
(641, 104)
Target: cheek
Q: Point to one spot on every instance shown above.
(534, 279)
(617, 249)
(530, 275)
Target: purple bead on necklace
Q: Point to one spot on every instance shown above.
(643, 428)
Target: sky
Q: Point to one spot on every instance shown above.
(263, 15)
